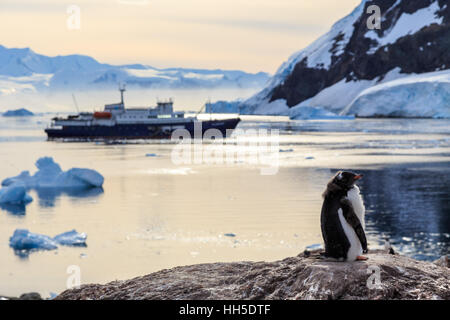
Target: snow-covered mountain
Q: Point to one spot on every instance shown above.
(352, 69)
(23, 70)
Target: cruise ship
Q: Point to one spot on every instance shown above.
(118, 122)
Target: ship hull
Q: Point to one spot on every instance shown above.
(141, 131)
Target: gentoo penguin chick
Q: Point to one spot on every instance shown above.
(342, 218)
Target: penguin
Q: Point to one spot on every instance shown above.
(342, 218)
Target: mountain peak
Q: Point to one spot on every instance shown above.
(413, 39)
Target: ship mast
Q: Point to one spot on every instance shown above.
(122, 90)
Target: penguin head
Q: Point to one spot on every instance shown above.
(346, 179)
(343, 180)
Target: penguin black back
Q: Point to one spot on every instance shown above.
(337, 244)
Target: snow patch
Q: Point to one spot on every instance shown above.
(407, 24)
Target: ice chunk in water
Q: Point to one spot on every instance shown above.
(50, 175)
(14, 194)
(23, 239)
(71, 238)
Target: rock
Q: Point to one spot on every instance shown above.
(443, 262)
(301, 277)
(30, 296)
(25, 296)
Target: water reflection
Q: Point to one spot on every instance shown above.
(15, 209)
(410, 207)
(47, 196)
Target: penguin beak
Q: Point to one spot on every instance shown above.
(358, 176)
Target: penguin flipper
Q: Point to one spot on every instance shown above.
(350, 216)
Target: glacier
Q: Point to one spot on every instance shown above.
(315, 113)
(50, 175)
(223, 106)
(423, 95)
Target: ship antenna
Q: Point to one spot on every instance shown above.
(122, 90)
(75, 102)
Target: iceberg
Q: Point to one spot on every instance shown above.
(15, 194)
(18, 113)
(50, 175)
(71, 238)
(24, 240)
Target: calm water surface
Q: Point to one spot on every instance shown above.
(152, 214)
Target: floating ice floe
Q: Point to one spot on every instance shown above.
(232, 235)
(15, 194)
(315, 246)
(51, 175)
(22, 239)
(71, 238)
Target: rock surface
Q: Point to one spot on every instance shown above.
(306, 276)
(25, 296)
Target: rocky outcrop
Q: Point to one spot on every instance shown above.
(307, 276)
(25, 296)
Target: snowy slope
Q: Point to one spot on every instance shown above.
(335, 69)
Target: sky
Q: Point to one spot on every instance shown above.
(249, 35)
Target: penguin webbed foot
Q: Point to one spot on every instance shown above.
(361, 258)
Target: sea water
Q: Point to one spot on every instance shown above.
(153, 213)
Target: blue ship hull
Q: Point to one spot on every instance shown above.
(139, 131)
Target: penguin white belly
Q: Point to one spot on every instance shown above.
(354, 197)
(357, 203)
(355, 249)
